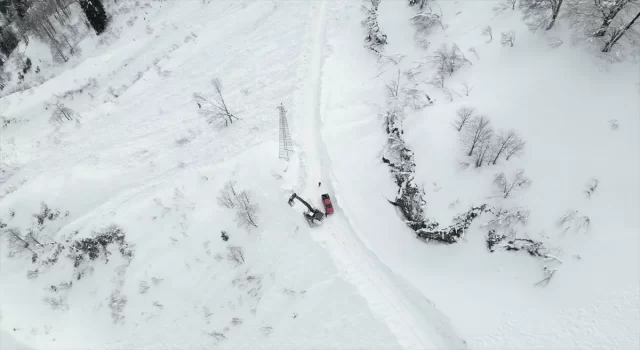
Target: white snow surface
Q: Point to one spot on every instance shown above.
(362, 279)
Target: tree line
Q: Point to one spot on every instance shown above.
(608, 20)
(20, 19)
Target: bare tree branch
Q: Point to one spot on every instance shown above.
(235, 255)
(505, 142)
(515, 148)
(487, 31)
(479, 131)
(448, 60)
(464, 115)
(215, 109)
(508, 38)
(466, 88)
(618, 33)
(227, 195)
(247, 212)
(540, 13)
(393, 87)
(519, 181)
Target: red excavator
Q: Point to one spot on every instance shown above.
(314, 216)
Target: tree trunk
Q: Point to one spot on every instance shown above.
(473, 146)
(617, 35)
(56, 45)
(603, 27)
(556, 11)
(500, 151)
(608, 18)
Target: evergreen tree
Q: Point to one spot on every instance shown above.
(4, 7)
(21, 7)
(95, 14)
(8, 41)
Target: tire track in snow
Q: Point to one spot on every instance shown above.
(357, 264)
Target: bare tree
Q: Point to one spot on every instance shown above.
(571, 220)
(540, 13)
(548, 275)
(32, 274)
(414, 97)
(218, 336)
(448, 60)
(609, 10)
(508, 38)
(505, 187)
(215, 110)
(592, 185)
(247, 211)
(481, 152)
(424, 21)
(618, 33)
(17, 241)
(35, 238)
(487, 31)
(473, 50)
(411, 73)
(56, 303)
(143, 287)
(514, 148)
(464, 115)
(4, 78)
(393, 87)
(437, 81)
(235, 255)
(505, 4)
(228, 195)
(447, 93)
(595, 17)
(479, 130)
(466, 88)
(61, 113)
(395, 59)
(504, 142)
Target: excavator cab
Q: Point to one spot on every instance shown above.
(314, 216)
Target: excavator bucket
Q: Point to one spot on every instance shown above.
(291, 202)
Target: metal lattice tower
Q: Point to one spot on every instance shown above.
(286, 147)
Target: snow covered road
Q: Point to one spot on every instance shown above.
(415, 322)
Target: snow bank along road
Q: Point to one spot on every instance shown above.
(416, 323)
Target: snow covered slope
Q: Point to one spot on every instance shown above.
(139, 156)
(561, 100)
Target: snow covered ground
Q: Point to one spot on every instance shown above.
(140, 156)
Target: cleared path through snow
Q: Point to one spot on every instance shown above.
(375, 282)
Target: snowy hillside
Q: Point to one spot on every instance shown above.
(115, 154)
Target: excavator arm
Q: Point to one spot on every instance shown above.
(295, 196)
(313, 216)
